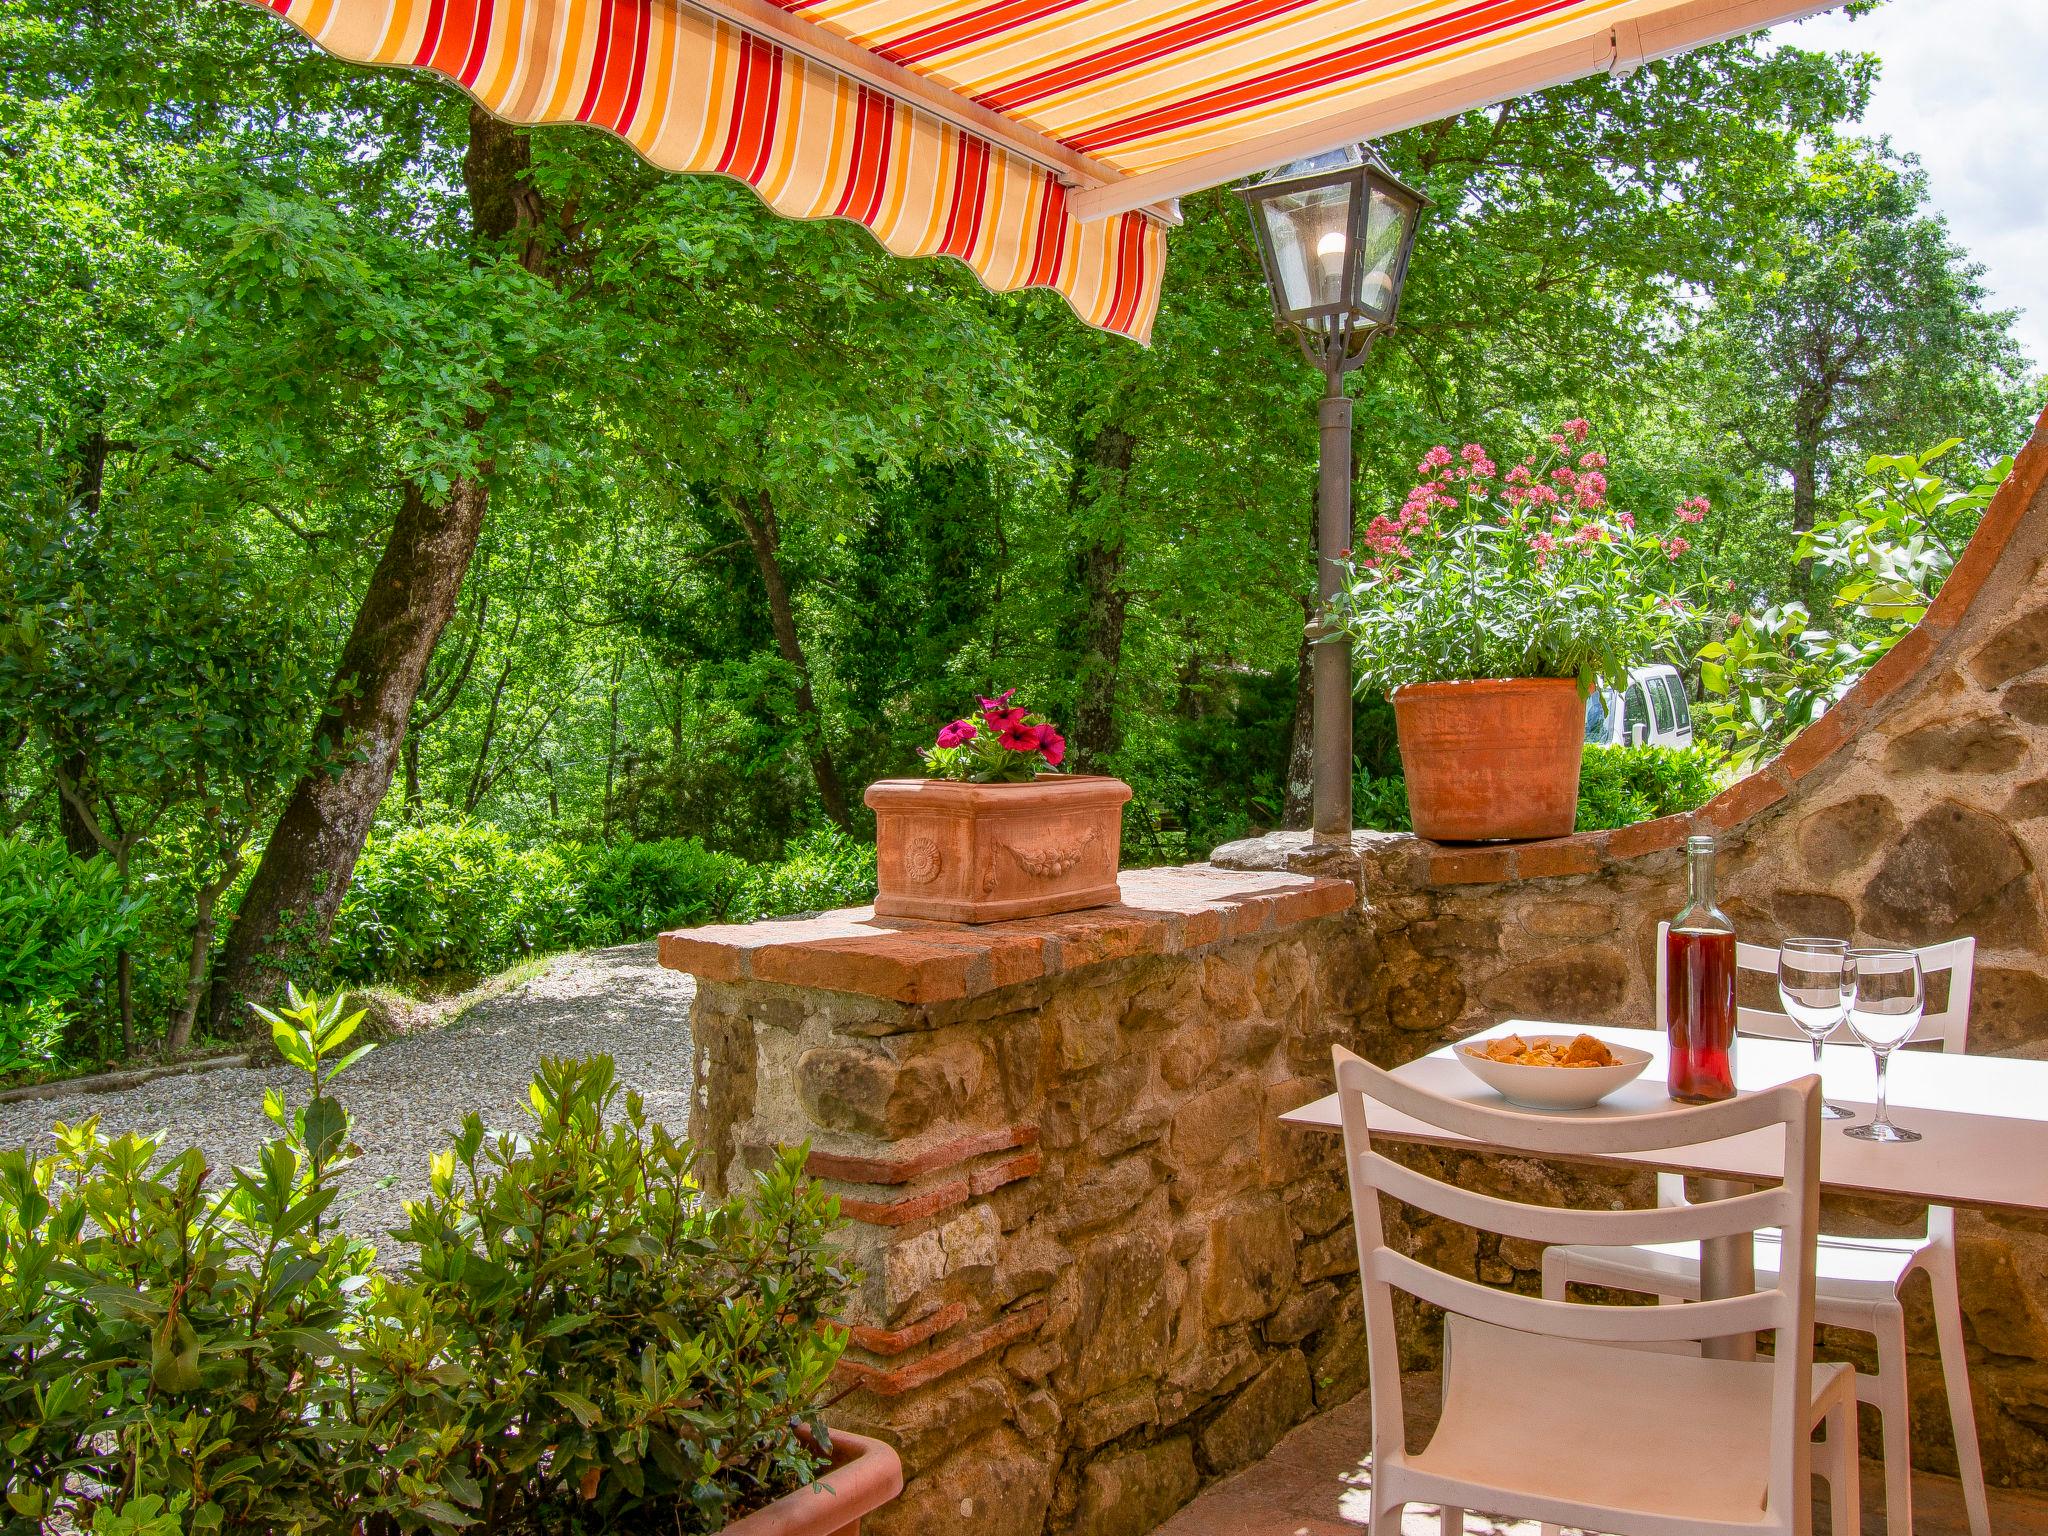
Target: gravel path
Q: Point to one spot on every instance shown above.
(407, 1093)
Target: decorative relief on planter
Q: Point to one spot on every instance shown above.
(921, 861)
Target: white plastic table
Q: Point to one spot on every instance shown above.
(1983, 1119)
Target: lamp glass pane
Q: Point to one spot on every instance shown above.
(1386, 231)
(1309, 232)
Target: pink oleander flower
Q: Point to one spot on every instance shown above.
(1674, 547)
(1543, 544)
(1560, 519)
(1593, 460)
(1627, 520)
(1436, 458)
(1576, 429)
(956, 733)
(1695, 510)
(1053, 745)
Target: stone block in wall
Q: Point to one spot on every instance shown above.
(1218, 1126)
(1251, 1424)
(1841, 838)
(1247, 1263)
(1955, 871)
(1122, 1318)
(1583, 981)
(1130, 1493)
(997, 1485)
(2019, 646)
(1336, 1358)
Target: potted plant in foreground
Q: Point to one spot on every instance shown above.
(996, 831)
(1487, 606)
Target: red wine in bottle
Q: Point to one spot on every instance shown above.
(1699, 989)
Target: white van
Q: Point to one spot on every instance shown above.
(1651, 711)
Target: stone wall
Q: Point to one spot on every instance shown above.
(1912, 813)
(1098, 1271)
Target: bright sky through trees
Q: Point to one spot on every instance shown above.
(1965, 87)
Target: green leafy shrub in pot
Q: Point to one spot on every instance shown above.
(579, 1340)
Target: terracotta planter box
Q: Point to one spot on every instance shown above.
(1492, 761)
(865, 1475)
(981, 853)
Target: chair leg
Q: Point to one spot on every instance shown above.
(1451, 1522)
(1386, 1519)
(1554, 1281)
(1843, 1472)
(1891, 1408)
(1955, 1375)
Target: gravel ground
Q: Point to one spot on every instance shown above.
(407, 1093)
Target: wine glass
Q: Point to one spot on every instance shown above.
(1886, 995)
(1812, 988)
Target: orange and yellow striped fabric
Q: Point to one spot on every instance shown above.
(694, 93)
(1098, 90)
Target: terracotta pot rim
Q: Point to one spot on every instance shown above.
(1486, 685)
(865, 1474)
(938, 793)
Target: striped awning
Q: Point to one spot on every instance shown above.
(1041, 142)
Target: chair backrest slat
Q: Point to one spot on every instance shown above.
(1567, 1224)
(1571, 1320)
(1569, 1136)
(1791, 1109)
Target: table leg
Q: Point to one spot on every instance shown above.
(1727, 1268)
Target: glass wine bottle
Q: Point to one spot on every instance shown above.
(1699, 988)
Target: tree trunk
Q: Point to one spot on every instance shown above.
(204, 906)
(1098, 565)
(306, 867)
(763, 535)
(415, 801)
(1297, 808)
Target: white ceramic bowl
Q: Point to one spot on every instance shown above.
(1555, 1087)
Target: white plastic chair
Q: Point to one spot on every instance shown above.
(1547, 1413)
(1858, 1278)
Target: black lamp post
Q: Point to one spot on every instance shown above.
(1334, 232)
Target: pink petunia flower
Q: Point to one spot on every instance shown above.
(1053, 745)
(1019, 737)
(956, 733)
(1001, 720)
(989, 705)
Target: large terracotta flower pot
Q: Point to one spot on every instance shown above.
(865, 1475)
(981, 853)
(1496, 760)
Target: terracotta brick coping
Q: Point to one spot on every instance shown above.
(902, 960)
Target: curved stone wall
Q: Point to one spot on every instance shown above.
(1916, 811)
